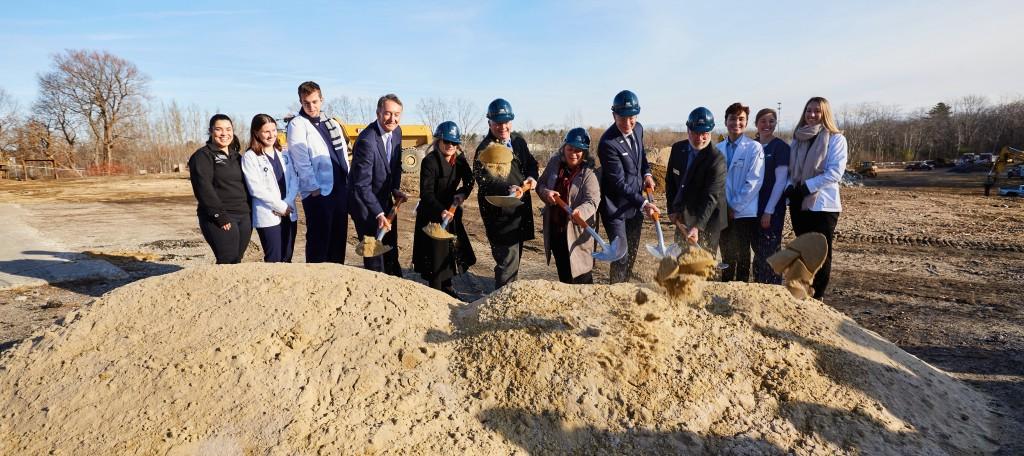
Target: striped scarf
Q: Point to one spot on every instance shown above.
(337, 137)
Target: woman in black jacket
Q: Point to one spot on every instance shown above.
(219, 186)
(446, 179)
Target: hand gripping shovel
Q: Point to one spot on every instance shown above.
(371, 247)
(504, 201)
(659, 250)
(609, 252)
(439, 231)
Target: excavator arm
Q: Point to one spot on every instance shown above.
(1006, 157)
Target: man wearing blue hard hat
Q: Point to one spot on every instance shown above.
(504, 167)
(695, 184)
(625, 175)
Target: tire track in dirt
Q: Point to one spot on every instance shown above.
(928, 241)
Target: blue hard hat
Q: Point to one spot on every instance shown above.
(626, 104)
(578, 138)
(500, 111)
(448, 131)
(701, 120)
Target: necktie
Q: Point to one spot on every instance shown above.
(387, 147)
(632, 144)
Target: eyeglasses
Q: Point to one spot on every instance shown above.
(448, 143)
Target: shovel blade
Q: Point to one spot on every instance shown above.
(655, 251)
(435, 231)
(370, 247)
(612, 252)
(504, 201)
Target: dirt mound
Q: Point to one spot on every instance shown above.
(286, 359)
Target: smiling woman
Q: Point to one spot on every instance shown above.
(219, 187)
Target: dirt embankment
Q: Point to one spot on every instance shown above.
(288, 359)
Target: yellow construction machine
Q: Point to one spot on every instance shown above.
(416, 140)
(867, 169)
(1007, 156)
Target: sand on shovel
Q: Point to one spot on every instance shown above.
(305, 359)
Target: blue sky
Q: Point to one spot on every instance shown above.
(554, 61)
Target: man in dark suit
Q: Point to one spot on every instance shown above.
(695, 184)
(625, 174)
(376, 181)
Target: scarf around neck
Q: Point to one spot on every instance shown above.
(809, 157)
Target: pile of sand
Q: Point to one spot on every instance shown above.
(286, 359)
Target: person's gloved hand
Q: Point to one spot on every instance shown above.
(800, 192)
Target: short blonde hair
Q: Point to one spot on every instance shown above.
(827, 118)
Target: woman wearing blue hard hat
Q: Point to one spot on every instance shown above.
(446, 180)
(569, 178)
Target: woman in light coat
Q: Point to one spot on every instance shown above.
(817, 165)
(570, 176)
(272, 183)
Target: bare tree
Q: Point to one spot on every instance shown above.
(102, 89)
(8, 121)
(433, 111)
(467, 115)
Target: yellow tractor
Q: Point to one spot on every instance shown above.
(416, 140)
(1007, 156)
(867, 169)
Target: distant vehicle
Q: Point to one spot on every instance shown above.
(986, 158)
(1016, 171)
(867, 169)
(920, 166)
(1012, 191)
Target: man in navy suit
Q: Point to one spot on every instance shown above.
(625, 174)
(375, 181)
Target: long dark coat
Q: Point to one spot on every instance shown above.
(507, 226)
(439, 183)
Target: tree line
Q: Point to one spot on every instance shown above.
(94, 111)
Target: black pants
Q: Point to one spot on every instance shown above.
(818, 222)
(326, 227)
(621, 270)
(766, 244)
(278, 241)
(560, 250)
(228, 246)
(388, 262)
(506, 262)
(737, 241)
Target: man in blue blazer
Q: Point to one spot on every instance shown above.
(625, 174)
(376, 180)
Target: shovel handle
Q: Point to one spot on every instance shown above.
(568, 210)
(451, 209)
(391, 218)
(650, 199)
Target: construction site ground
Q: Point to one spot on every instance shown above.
(922, 258)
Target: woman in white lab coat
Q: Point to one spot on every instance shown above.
(273, 185)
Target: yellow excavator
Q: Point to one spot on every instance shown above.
(415, 138)
(1007, 156)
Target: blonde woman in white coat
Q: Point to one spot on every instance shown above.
(817, 163)
(273, 185)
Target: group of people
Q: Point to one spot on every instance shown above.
(732, 195)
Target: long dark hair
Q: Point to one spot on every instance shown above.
(258, 121)
(236, 145)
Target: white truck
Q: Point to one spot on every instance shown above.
(1017, 190)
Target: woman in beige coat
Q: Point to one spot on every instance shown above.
(570, 178)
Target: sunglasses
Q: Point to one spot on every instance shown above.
(448, 143)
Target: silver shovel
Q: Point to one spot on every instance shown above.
(609, 252)
(659, 250)
(505, 201)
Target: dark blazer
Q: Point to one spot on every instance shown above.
(507, 226)
(439, 183)
(622, 174)
(701, 198)
(372, 178)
